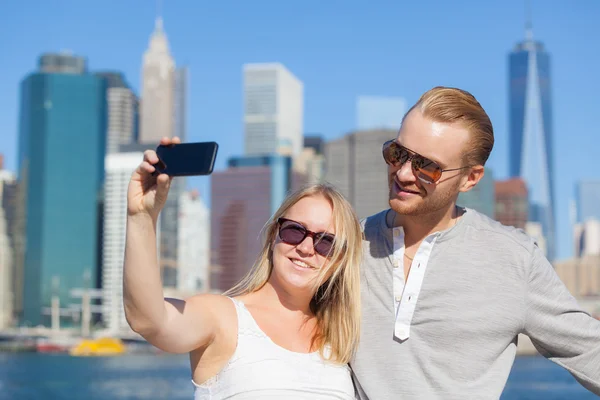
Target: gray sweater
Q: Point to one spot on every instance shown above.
(484, 284)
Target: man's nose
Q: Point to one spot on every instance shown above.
(405, 172)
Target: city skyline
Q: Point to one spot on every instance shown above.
(330, 89)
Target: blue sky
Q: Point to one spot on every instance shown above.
(340, 50)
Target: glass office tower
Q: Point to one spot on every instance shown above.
(61, 152)
(531, 150)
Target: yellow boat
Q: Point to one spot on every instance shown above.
(98, 347)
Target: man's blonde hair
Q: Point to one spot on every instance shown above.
(336, 302)
(452, 105)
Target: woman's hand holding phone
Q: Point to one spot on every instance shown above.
(147, 194)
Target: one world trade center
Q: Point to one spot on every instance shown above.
(530, 147)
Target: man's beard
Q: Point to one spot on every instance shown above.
(430, 203)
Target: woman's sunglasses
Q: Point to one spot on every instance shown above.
(294, 233)
(426, 170)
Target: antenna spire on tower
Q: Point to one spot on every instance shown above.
(159, 20)
(528, 21)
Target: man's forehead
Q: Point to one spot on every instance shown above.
(439, 141)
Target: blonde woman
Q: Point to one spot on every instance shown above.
(287, 330)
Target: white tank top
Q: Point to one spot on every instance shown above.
(260, 369)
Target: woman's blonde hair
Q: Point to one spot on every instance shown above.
(336, 303)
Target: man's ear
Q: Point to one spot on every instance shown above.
(472, 178)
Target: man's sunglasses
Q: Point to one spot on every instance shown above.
(426, 170)
(294, 233)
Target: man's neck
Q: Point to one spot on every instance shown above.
(417, 228)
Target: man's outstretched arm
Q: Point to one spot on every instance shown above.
(558, 327)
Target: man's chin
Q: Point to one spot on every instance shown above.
(403, 207)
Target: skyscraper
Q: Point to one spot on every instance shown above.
(123, 109)
(530, 113)
(511, 202)
(243, 198)
(482, 197)
(118, 167)
(170, 231)
(581, 276)
(181, 102)
(158, 89)
(588, 200)
(62, 63)
(586, 238)
(273, 110)
(6, 268)
(7, 192)
(193, 255)
(61, 151)
(163, 113)
(355, 165)
(311, 161)
(314, 141)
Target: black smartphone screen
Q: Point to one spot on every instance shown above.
(187, 159)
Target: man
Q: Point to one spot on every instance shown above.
(446, 291)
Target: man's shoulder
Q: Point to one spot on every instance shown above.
(373, 222)
(489, 229)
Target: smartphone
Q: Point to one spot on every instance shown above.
(186, 159)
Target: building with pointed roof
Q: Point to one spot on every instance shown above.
(530, 124)
(157, 88)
